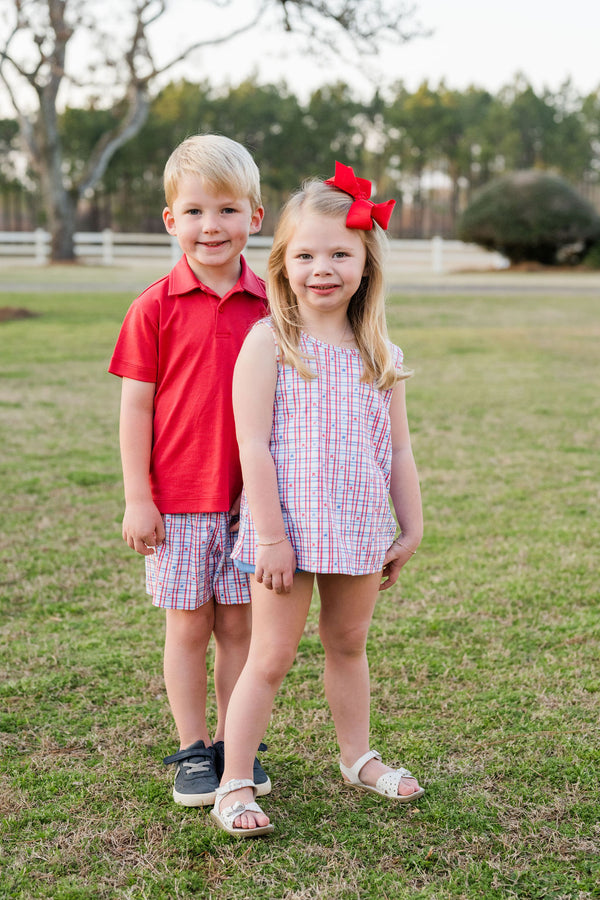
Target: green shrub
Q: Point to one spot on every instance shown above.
(531, 216)
(592, 257)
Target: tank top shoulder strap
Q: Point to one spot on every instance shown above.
(268, 321)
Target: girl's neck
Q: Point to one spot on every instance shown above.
(335, 330)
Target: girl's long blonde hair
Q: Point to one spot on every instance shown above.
(366, 311)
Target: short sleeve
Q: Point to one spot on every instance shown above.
(136, 351)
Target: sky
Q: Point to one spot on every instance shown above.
(473, 42)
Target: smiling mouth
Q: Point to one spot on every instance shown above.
(212, 243)
(322, 287)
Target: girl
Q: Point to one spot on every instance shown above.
(321, 423)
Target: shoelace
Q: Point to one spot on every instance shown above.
(194, 768)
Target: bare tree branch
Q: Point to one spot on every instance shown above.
(125, 51)
(212, 42)
(111, 141)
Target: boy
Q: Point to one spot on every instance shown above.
(181, 472)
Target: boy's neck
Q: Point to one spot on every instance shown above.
(220, 279)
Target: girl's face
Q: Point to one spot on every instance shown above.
(324, 263)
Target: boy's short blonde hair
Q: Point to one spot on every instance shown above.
(224, 165)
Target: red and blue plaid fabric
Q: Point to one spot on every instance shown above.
(193, 564)
(331, 443)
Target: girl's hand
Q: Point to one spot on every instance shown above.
(396, 557)
(275, 567)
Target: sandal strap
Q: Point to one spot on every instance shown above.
(352, 772)
(230, 813)
(389, 781)
(234, 785)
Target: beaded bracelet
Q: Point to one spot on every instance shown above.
(272, 543)
(404, 547)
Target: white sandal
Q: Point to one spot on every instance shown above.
(387, 784)
(226, 817)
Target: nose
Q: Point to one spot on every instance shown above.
(322, 265)
(209, 222)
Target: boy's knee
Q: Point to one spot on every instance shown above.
(191, 626)
(233, 624)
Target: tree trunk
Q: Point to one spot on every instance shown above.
(58, 203)
(60, 214)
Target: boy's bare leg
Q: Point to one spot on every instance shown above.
(347, 604)
(232, 639)
(186, 641)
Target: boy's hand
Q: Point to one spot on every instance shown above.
(234, 514)
(275, 567)
(143, 527)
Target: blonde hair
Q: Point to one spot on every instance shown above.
(222, 163)
(366, 311)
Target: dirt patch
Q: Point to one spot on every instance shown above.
(10, 313)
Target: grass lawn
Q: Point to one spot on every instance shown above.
(484, 657)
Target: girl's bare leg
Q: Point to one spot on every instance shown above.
(232, 640)
(347, 604)
(277, 625)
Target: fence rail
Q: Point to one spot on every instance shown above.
(108, 247)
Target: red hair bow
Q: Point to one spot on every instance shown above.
(363, 211)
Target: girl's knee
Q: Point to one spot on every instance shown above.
(348, 642)
(272, 667)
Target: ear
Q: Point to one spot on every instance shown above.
(169, 220)
(256, 220)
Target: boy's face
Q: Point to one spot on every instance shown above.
(212, 229)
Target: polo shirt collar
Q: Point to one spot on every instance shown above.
(183, 281)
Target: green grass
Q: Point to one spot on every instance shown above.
(484, 658)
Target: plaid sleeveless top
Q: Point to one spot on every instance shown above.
(331, 444)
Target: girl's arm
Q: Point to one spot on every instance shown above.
(404, 491)
(254, 382)
(143, 527)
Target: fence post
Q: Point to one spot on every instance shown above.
(107, 247)
(40, 246)
(437, 254)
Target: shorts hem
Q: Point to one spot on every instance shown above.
(189, 608)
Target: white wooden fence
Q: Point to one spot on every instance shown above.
(103, 247)
(108, 248)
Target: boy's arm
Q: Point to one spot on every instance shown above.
(254, 382)
(143, 527)
(404, 491)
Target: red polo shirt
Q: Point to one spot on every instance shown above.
(185, 339)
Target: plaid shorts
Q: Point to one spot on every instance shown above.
(193, 564)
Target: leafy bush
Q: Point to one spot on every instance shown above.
(592, 258)
(531, 216)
